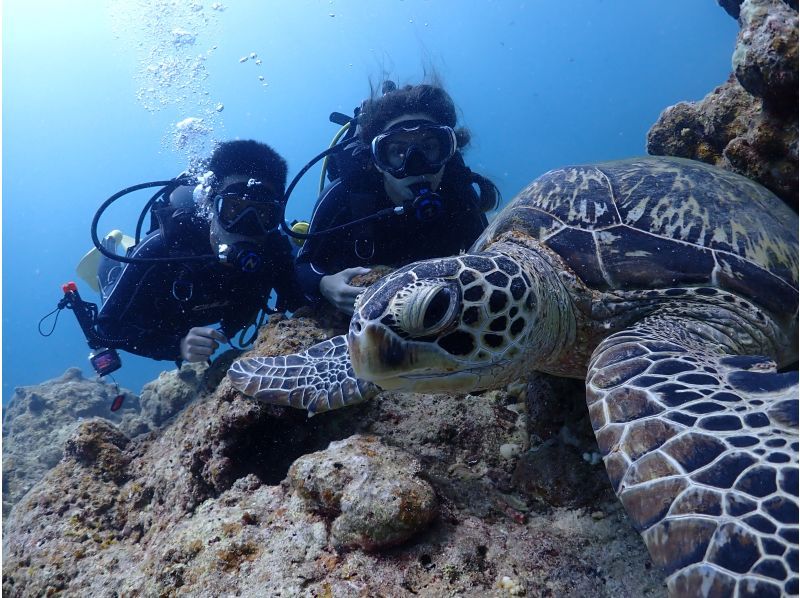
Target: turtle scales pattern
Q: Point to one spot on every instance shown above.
(671, 287)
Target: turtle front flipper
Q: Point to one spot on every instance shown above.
(702, 450)
(318, 379)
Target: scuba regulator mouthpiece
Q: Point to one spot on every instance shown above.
(244, 256)
(426, 205)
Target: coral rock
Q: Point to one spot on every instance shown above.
(749, 124)
(100, 445)
(373, 492)
(171, 391)
(765, 58)
(40, 418)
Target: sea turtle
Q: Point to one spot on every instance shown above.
(671, 286)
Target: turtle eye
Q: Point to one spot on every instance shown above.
(437, 309)
(428, 309)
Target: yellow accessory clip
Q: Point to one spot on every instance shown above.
(302, 228)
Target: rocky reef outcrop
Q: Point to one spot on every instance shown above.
(165, 396)
(39, 419)
(407, 494)
(749, 123)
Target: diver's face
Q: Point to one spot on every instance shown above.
(397, 189)
(218, 234)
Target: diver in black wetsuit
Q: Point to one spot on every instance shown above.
(406, 151)
(165, 310)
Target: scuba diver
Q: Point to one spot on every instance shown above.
(402, 183)
(213, 256)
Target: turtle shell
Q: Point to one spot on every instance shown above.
(659, 222)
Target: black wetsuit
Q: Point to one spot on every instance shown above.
(151, 307)
(393, 240)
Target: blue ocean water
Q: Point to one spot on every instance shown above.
(96, 97)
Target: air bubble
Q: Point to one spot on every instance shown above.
(171, 72)
(181, 37)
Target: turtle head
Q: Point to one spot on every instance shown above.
(454, 324)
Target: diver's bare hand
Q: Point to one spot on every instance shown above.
(337, 290)
(200, 343)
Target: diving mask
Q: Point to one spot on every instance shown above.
(413, 148)
(248, 210)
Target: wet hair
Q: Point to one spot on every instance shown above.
(458, 181)
(429, 99)
(249, 158)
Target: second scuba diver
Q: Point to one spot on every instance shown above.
(405, 153)
(165, 310)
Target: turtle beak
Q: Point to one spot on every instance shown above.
(377, 353)
(393, 363)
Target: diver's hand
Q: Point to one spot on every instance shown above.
(338, 292)
(201, 343)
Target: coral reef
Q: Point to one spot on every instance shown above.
(405, 494)
(749, 123)
(39, 419)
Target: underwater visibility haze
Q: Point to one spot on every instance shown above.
(101, 95)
